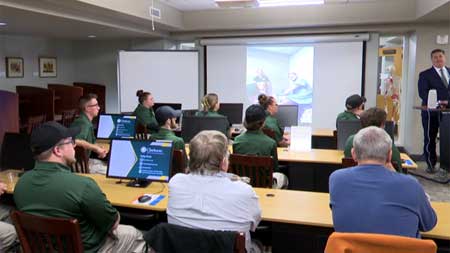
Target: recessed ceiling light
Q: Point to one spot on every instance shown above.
(92, 36)
(3, 24)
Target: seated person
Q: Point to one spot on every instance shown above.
(255, 142)
(354, 106)
(144, 111)
(209, 197)
(374, 117)
(89, 109)
(166, 117)
(371, 198)
(8, 236)
(270, 105)
(210, 106)
(57, 192)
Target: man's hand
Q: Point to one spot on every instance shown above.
(3, 188)
(101, 152)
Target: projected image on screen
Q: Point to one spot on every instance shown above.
(285, 72)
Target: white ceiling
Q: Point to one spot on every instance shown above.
(191, 5)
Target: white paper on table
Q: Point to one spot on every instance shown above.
(301, 138)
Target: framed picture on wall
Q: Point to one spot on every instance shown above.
(14, 67)
(47, 66)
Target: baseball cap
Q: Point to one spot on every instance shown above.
(254, 113)
(354, 101)
(166, 112)
(49, 134)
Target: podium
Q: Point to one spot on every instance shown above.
(444, 135)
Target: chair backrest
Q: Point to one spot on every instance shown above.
(165, 235)
(345, 128)
(141, 132)
(269, 132)
(389, 127)
(348, 162)
(258, 168)
(68, 116)
(16, 152)
(35, 121)
(43, 234)
(82, 163)
(377, 243)
(178, 162)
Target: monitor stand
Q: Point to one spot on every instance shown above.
(138, 183)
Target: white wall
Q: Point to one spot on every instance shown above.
(30, 48)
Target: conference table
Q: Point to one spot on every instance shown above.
(301, 221)
(310, 170)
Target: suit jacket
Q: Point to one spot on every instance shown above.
(430, 80)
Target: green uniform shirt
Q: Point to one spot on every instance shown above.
(146, 117)
(256, 143)
(272, 123)
(346, 116)
(166, 134)
(51, 190)
(395, 152)
(87, 130)
(208, 114)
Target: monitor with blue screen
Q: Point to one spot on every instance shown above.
(141, 160)
(116, 126)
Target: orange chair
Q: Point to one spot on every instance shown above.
(377, 243)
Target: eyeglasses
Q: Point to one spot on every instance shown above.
(72, 141)
(95, 105)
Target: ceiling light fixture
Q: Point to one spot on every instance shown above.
(92, 36)
(278, 3)
(3, 24)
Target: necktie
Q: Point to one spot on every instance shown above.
(443, 78)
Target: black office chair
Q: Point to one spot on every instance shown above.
(16, 152)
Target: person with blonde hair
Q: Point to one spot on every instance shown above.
(210, 106)
(209, 197)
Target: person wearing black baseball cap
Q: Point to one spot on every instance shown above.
(255, 142)
(52, 190)
(354, 106)
(166, 117)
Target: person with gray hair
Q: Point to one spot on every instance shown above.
(371, 198)
(372, 144)
(208, 197)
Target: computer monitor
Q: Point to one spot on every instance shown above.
(233, 111)
(192, 125)
(143, 161)
(389, 127)
(116, 126)
(287, 115)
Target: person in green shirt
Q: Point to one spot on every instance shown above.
(255, 142)
(89, 109)
(210, 106)
(271, 106)
(166, 117)
(354, 106)
(374, 117)
(144, 111)
(52, 190)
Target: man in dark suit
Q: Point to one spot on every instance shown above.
(434, 78)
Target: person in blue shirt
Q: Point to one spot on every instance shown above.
(370, 198)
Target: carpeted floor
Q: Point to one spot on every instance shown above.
(438, 192)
